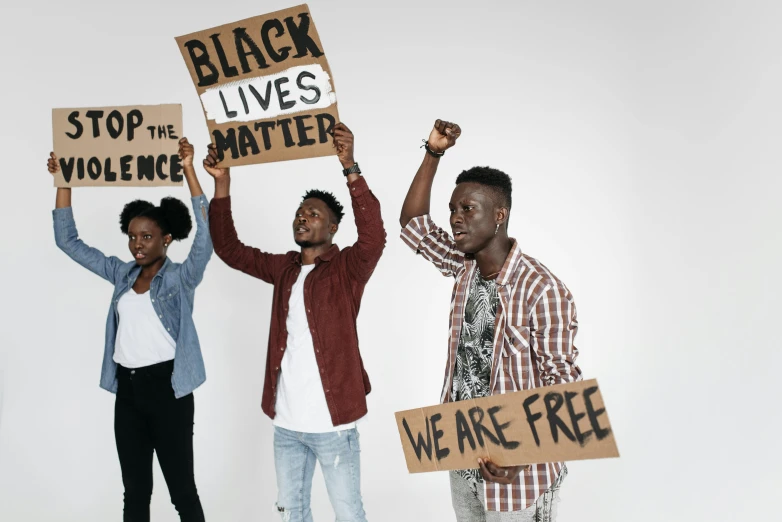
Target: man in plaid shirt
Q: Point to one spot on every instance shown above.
(512, 324)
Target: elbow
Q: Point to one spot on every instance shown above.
(404, 219)
(62, 242)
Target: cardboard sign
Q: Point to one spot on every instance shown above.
(549, 424)
(265, 87)
(118, 146)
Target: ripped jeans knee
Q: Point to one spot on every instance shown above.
(284, 513)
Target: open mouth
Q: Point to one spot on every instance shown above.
(139, 255)
(459, 235)
(301, 229)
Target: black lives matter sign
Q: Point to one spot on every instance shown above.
(548, 424)
(118, 146)
(265, 87)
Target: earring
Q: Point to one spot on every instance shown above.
(497, 229)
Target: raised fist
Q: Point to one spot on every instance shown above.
(443, 135)
(210, 164)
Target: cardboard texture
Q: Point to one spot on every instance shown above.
(126, 146)
(265, 87)
(550, 424)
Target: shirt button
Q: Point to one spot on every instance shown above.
(132, 372)
(277, 369)
(309, 311)
(161, 316)
(153, 300)
(282, 348)
(169, 329)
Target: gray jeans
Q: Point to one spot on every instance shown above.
(468, 504)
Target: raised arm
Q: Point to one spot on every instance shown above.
(67, 237)
(443, 137)
(194, 266)
(227, 246)
(363, 256)
(554, 326)
(63, 199)
(419, 232)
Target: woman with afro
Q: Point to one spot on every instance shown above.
(152, 359)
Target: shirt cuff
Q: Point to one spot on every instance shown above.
(63, 214)
(221, 204)
(358, 187)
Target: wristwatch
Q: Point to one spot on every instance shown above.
(352, 170)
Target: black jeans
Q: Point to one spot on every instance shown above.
(147, 419)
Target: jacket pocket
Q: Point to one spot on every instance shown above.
(169, 293)
(517, 338)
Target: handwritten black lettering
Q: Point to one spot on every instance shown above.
(301, 39)
(276, 55)
(439, 452)
(73, 119)
(463, 432)
(554, 402)
(199, 56)
(229, 70)
(532, 417)
(420, 444)
(476, 416)
(581, 437)
(241, 39)
(265, 127)
(498, 428)
(593, 414)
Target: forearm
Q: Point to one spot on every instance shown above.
(223, 186)
(201, 250)
(63, 198)
(192, 181)
(369, 221)
(419, 195)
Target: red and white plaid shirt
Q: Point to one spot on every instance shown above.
(533, 338)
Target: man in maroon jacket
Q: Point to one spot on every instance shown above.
(315, 387)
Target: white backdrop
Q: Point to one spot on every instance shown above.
(643, 140)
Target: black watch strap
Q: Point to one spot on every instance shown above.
(352, 170)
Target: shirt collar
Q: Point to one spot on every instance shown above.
(508, 267)
(136, 270)
(328, 255)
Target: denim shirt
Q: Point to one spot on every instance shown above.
(172, 292)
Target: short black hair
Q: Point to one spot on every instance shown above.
(496, 179)
(171, 216)
(330, 201)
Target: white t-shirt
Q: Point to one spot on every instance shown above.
(301, 402)
(142, 340)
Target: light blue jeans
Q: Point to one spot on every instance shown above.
(338, 452)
